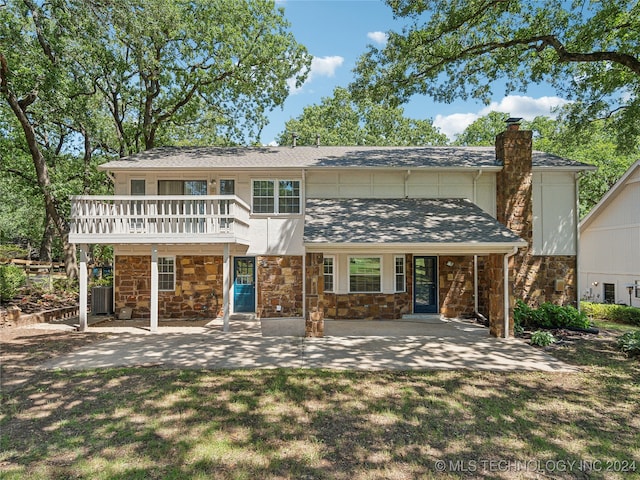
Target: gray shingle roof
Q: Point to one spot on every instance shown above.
(368, 221)
(311, 157)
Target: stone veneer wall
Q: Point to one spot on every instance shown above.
(279, 282)
(455, 284)
(198, 292)
(494, 268)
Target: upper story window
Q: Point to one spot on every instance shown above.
(138, 187)
(182, 187)
(227, 186)
(276, 196)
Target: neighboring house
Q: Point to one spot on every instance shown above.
(356, 232)
(610, 244)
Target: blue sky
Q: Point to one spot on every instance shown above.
(337, 32)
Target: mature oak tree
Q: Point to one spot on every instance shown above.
(80, 77)
(589, 51)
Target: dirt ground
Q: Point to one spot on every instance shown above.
(23, 350)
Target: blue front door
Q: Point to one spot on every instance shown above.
(244, 284)
(425, 285)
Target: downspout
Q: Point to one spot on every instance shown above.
(304, 250)
(577, 240)
(475, 284)
(475, 188)
(505, 269)
(475, 257)
(406, 184)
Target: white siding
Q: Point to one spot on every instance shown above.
(610, 245)
(554, 213)
(400, 184)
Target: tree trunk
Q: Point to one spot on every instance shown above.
(19, 108)
(47, 241)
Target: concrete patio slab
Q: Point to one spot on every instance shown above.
(422, 346)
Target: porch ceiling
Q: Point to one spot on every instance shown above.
(445, 225)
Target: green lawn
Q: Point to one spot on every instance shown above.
(151, 423)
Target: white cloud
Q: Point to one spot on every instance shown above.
(455, 123)
(526, 107)
(320, 67)
(377, 37)
(516, 105)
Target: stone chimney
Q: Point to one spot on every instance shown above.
(514, 183)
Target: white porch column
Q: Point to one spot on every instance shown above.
(226, 268)
(154, 289)
(505, 270)
(84, 293)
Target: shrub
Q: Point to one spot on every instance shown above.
(616, 313)
(630, 343)
(542, 338)
(549, 315)
(11, 279)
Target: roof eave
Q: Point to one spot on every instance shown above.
(436, 248)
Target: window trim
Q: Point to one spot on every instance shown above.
(173, 273)
(276, 195)
(380, 260)
(396, 274)
(333, 273)
(637, 288)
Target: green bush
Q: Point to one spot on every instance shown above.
(11, 279)
(542, 338)
(609, 311)
(549, 315)
(630, 343)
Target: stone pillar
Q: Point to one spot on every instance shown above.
(314, 290)
(494, 266)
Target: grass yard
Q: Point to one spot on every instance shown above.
(150, 423)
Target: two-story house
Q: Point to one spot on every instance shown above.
(357, 232)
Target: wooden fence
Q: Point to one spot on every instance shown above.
(38, 271)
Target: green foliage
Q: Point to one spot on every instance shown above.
(338, 120)
(589, 51)
(629, 343)
(549, 315)
(542, 338)
(11, 279)
(11, 251)
(616, 313)
(483, 131)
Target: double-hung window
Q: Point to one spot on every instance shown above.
(276, 196)
(400, 273)
(365, 274)
(329, 273)
(166, 273)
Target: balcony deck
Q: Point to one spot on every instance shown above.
(184, 219)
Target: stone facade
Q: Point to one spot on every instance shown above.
(455, 284)
(279, 283)
(198, 292)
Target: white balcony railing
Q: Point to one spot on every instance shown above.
(159, 218)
